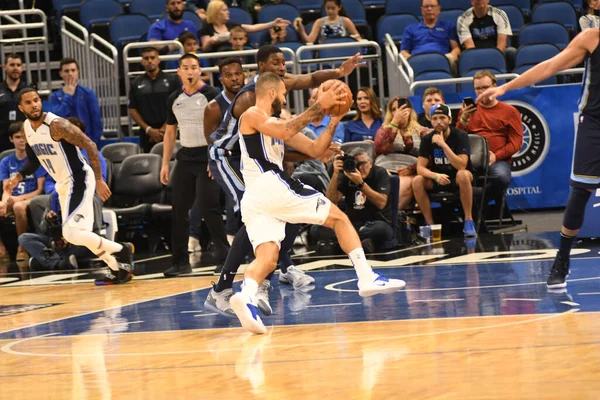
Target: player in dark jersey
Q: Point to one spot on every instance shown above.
(585, 176)
(225, 158)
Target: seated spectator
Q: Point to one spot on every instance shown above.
(590, 19)
(238, 38)
(310, 172)
(431, 97)
(443, 165)
(366, 193)
(16, 202)
(431, 35)
(501, 125)
(368, 117)
(48, 249)
(317, 127)
(484, 26)
(148, 99)
(74, 100)
(190, 46)
(215, 33)
(401, 133)
(172, 26)
(335, 24)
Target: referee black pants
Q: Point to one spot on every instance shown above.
(190, 180)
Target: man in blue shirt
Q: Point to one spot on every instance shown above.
(174, 25)
(17, 201)
(431, 35)
(74, 100)
(319, 126)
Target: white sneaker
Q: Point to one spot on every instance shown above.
(247, 313)
(379, 285)
(262, 298)
(193, 245)
(296, 277)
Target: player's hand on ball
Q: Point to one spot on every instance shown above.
(333, 96)
(102, 190)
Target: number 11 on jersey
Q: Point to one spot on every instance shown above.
(48, 166)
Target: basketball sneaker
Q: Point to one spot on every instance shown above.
(246, 310)
(123, 275)
(469, 228)
(262, 298)
(296, 277)
(558, 274)
(125, 256)
(219, 302)
(379, 285)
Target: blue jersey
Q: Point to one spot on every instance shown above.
(10, 165)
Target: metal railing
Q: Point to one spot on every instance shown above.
(29, 43)
(76, 44)
(129, 60)
(360, 46)
(450, 81)
(398, 80)
(104, 80)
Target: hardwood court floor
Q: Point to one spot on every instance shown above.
(468, 326)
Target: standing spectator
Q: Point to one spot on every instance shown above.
(173, 25)
(148, 99)
(590, 19)
(431, 97)
(198, 7)
(16, 201)
(368, 117)
(9, 112)
(217, 31)
(501, 125)
(319, 126)
(431, 35)
(74, 100)
(444, 165)
(335, 24)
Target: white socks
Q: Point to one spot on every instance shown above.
(250, 288)
(361, 266)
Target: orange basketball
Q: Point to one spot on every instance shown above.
(339, 109)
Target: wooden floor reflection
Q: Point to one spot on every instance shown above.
(525, 356)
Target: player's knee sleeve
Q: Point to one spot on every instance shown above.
(573, 218)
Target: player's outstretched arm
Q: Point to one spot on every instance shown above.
(315, 148)
(305, 81)
(580, 47)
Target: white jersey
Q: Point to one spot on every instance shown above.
(62, 160)
(260, 154)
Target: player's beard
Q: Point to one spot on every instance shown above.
(32, 118)
(276, 106)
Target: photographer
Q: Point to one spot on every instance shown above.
(48, 249)
(366, 190)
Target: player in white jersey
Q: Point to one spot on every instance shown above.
(54, 143)
(273, 198)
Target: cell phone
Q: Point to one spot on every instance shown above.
(276, 29)
(469, 101)
(401, 101)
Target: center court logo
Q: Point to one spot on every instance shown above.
(536, 139)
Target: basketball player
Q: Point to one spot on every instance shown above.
(225, 166)
(585, 175)
(273, 198)
(54, 143)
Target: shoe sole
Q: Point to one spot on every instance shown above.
(102, 283)
(239, 307)
(383, 290)
(212, 308)
(557, 285)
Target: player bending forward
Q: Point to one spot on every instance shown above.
(54, 143)
(273, 198)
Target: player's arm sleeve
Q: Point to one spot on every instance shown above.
(32, 163)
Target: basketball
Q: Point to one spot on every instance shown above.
(339, 109)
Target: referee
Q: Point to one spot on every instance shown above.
(185, 108)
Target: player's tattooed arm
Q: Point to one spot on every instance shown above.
(61, 129)
(297, 123)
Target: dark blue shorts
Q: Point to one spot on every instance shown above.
(586, 157)
(226, 170)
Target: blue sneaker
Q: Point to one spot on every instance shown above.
(247, 312)
(379, 285)
(469, 228)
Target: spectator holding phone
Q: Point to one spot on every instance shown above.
(500, 124)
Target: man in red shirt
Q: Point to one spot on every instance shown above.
(500, 124)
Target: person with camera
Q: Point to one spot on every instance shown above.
(443, 165)
(48, 249)
(366, 191)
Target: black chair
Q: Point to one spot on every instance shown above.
(136, 186)
(368, 146)
(158, 149)
(162, 211)
(109, 173)
(393, 161)
(394, 199)
(118, 152)
(480, 160)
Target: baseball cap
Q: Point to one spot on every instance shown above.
(440, 109)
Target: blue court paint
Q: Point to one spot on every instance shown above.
(444, 291)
